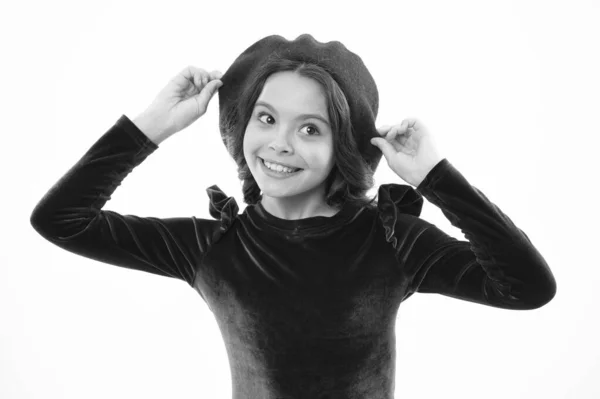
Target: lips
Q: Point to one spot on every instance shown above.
(275, 174)
(294, 169)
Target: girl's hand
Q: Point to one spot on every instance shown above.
(409, 150)
(184, 99)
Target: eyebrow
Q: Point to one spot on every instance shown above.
(302, 116)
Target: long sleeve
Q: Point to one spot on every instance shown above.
(70, 215)
(498, 266)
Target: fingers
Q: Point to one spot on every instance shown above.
(206, 95)
(216, 74)
(382, 130)
(198, 76)
(397, 136)
(395, 130)
(392, 133)
(193, 74)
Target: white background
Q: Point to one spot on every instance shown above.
(509, 89)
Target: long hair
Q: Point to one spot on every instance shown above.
(349, 179)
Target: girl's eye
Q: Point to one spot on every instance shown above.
(261, 114)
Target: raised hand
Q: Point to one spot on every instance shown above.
(409, 149)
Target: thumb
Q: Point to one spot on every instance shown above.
(208, 92)
(386, 148)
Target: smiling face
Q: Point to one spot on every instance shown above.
(284, 128)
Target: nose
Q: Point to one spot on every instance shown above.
(281, 142)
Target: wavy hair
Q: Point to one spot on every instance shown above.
(349, 180)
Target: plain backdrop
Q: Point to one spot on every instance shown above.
(509, 89)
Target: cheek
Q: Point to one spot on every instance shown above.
(248, 143)
(255, 141)
(324, 158)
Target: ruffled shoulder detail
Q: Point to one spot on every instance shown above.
(222, 207)
(393, 200)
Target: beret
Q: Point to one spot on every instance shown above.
(345, 67)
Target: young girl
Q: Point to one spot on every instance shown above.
(306, 283)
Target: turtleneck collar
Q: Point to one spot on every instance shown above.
(262, 218)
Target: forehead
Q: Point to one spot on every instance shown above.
(292, 93)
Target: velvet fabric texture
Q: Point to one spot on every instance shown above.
(307, 308)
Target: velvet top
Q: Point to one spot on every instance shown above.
(306, 308)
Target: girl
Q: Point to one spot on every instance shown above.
(306, 283)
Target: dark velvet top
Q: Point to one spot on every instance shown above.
(306, 308)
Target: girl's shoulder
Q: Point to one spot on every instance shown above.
(399, 198)
(394, 201)
(221, 207)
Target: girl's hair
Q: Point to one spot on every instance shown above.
(350, 178)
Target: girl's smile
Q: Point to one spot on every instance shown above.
(274, 173)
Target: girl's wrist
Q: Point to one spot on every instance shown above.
(150, 126)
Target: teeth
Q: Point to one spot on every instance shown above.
(277, 168)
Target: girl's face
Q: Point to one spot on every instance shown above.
(281, 130)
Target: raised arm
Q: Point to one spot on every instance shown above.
(70, 215)
(498, 265)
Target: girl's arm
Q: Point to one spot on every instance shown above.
(498, 265)
(70, 215)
